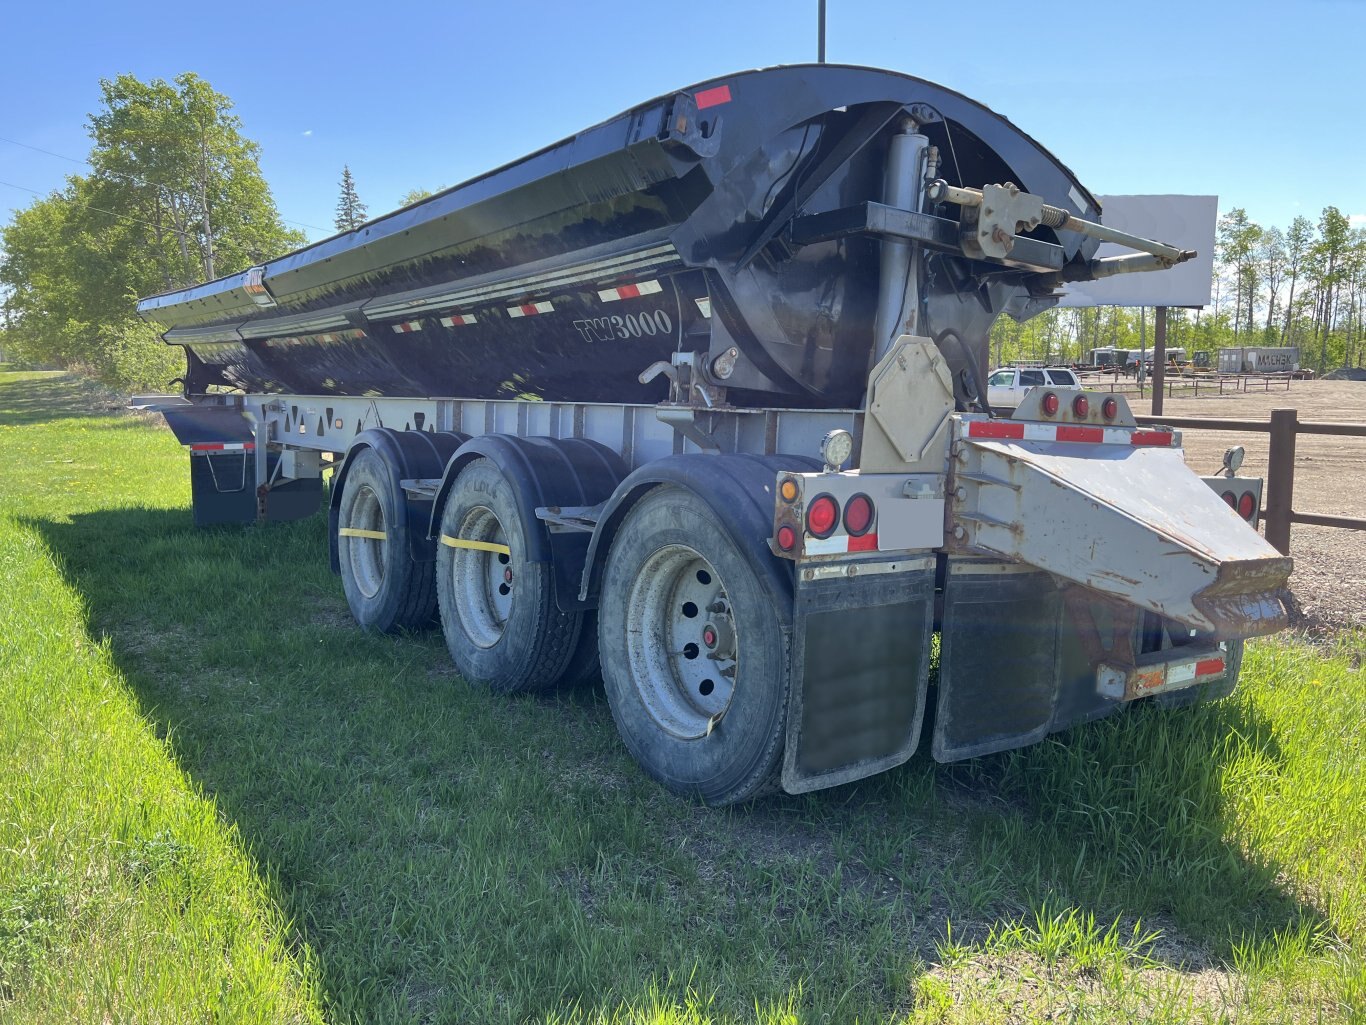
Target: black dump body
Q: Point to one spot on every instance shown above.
(674, 226)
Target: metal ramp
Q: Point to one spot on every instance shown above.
(1117, 511)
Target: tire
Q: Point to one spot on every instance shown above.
(385, 588)
(498, 611)
(673, 571)
(584, 668)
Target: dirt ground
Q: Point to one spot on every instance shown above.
(1329, 582)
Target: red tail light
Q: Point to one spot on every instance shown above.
(1081, 406)
(858, 515)
(1050, 404)
(821, 516)
(1230, 499)
(787, 538)
(1247, 506)
(1109, 409)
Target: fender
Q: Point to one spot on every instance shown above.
(739, 490)
(413, 454)
(543, 472)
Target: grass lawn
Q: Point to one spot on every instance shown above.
(219, 802)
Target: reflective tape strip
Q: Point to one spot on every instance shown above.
(1020, 430)
(458, 320)
(373, 535)
(223, 446)
(712, 97)
(478, 546)
(1157, 439)
(704, 306)
(839, 544)
(640, 288)
(530, 309)
(407, 326)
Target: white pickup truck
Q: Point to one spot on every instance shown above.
(1007, 386)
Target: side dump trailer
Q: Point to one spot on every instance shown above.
(694, 399)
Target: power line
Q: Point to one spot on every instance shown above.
(90, 206)
(122, 174)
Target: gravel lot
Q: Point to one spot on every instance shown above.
(1329, 583)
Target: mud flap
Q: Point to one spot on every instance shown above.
(860, 667)
(223, 490)
(223, 469)
(998, 662)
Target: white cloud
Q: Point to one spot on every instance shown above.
(306, 132)
(1356, 220)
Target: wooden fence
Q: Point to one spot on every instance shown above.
(1283, 427)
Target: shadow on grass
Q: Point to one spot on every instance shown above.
(55, 396)
(448, 854)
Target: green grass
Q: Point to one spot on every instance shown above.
(220, 802)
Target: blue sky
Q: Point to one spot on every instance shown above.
(1258, 103)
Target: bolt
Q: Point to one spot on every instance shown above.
(959, 533)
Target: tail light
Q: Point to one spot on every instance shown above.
(1109, 409)
(822, 514)
(1247, 505)
(1050, 404)
(787, 538)
(1081, 406)
(1230, 499)
(858, 515)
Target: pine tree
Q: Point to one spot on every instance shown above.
(350, 210)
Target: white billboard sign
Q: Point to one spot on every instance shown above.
(1185, 221)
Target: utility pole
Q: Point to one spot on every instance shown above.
(820, 32)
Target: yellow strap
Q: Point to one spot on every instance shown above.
(373, 535)
(478, 546)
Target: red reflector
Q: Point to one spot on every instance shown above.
(822, 515)
(1050, 404)
(627, 291)
(858, 515)
(787, 538)
(995, 429)
(866, 543)
(1109, 409)
(712, 97)
(1247, 505)
(1230, 499)
(1081, 406)
(1209, 666)
(1159, 439)
(1069, 432)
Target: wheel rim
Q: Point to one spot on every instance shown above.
(367, 553)
(681, 641)
(483, 582)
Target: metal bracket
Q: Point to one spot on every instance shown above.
(684, 421)
(568, 519)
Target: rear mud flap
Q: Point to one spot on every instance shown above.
(999, 665)
(223, 490)
(860, 666)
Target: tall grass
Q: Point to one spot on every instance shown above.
(220, 802)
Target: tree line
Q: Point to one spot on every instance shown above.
(174, 196)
